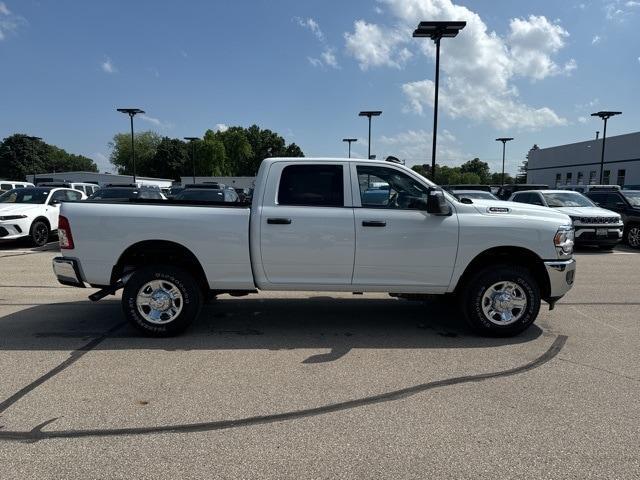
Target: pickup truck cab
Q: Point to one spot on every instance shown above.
(312, 226)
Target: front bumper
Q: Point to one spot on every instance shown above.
(68, 272)
(561, 274)
(598, 234)
(12, 229)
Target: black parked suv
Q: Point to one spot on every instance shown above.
(624, 202)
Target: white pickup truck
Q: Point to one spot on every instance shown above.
(321, 224)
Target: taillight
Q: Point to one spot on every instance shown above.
(64, 233)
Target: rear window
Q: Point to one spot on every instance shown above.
(312, 185)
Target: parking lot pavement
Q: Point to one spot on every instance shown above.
(317, 385)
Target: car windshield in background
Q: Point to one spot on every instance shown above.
(201, 195)
(114, 193)
(25, 195)
(479, 194)
(633, 197)
(566, 199)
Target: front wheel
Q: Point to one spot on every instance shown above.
(633, 236)
(501, 301)
(161, 301)
(39, 234)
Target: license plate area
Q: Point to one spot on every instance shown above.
(602, 232)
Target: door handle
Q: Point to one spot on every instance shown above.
(374, 223)
(279, 221)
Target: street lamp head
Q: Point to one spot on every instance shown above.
(130, 111)
(370, 113)
(604, 115)
(349, 140)
(33, 138)
(438, 30)
(504, 139)
(191, 139)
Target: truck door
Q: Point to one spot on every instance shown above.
(307, 229)
(397, 242)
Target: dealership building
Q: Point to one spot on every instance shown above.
(579, 163)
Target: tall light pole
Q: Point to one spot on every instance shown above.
(504, 141)
(192, 140)
(369, 114)
(349, 140)
(604, 115)
(34, 139)
(436, 31)
(132, 112)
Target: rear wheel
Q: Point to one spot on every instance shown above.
(39, 233)
(501, 301)
(161, 300)
(632, 236)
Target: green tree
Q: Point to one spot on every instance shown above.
(172, 158)
(22, 155)
(477, 167)
(146, 145)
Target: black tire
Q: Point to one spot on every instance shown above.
(39, 233)
(632, 235)
(190, 301)
(484, 279)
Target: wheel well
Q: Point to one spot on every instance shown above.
(509, 255)
(44, 219)
(159, 252)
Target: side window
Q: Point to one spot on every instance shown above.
(6, 186)
(383, 187)
(312, 186)
(59, 195)
(72, 195)
(19, 186)
(520, 197)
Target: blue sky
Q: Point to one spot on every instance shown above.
(529, 70)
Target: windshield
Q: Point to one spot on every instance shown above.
(25, 195)
(633, 197)
(476, 194)
(201, 195)
(567, 199)
(114, 193)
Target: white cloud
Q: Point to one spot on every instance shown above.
(102, 161)
(596, 39)
(155, 121)
(582, 119)
(619, 10)
(312, 25)
(329, 58)
(316, 62)
(107, 66)
(9, 22)
(479, 66)
(221, 127)
(373, 46)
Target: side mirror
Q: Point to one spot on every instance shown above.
(620, 204)
(54, 203)
(437, 203)
(466, 200)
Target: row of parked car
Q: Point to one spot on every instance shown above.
(30, 211)
(603, 215)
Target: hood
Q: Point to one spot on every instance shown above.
(586, 211)
(497, 207)
(19, 208)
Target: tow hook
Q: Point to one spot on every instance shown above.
(552, 304)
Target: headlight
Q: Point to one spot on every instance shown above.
(13, 217)
(563, 240)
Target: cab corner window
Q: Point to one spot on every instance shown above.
(384, 187)
(312, 186)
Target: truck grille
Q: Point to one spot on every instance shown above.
(596, 220)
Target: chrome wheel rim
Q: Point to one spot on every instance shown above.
(633, 237)
(40, 234)
(504, 303)
(159, 301)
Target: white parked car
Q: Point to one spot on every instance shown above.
(593, 225)
(33, 212)
(6, 185)
(312, 225)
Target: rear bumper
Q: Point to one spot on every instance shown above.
(68, 272)
(561, 275)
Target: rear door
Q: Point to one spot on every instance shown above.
(307, 231)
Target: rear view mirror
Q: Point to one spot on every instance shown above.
(437, 203)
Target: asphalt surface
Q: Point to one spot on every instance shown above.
(318, 385)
